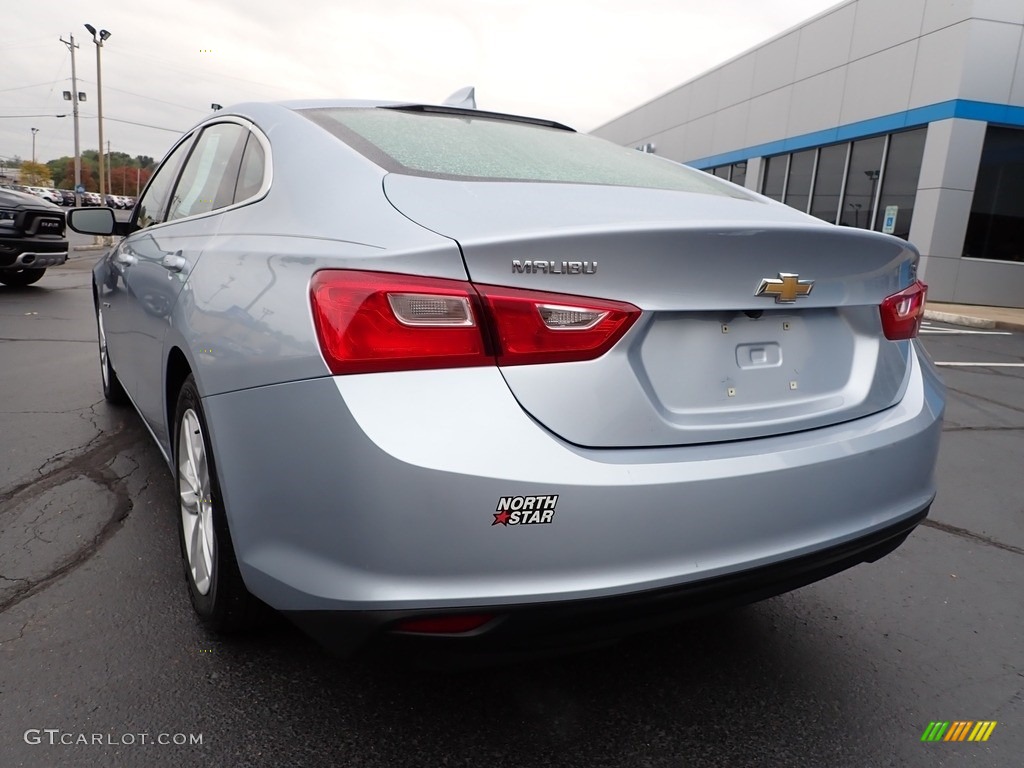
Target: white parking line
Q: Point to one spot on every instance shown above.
(982, 365)
(958, 332)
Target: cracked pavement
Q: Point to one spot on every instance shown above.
(97, 635)
(61, 490)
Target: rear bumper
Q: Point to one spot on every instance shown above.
(530, 629)
(373, 497)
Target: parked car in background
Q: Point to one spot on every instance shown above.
(486, 380)
(31, 238)
(67, 196)
(49, 195)
(92, 199)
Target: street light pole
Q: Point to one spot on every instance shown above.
(34, 132)
(98, 38)
(74, 109)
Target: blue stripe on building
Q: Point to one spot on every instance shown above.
(1001, 114)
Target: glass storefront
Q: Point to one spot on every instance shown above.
(739, 173)
(801, 172)
(862, 182)
(869, 183)
(995, 229)
(736, 173)
(775, 177)
(828, 181)
(899, 183)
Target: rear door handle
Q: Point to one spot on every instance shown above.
(173, 262)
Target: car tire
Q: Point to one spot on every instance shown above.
(113, 391)
(215, 583)
(19, 278)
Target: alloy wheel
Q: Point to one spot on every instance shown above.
(194, 491)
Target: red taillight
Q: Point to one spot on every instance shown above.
(536, 327)
(902, 312)
(444, 625)
(378, 321)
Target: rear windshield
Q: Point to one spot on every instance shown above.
(487, 149)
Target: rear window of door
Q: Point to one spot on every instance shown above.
(252, 172)
(208, 180)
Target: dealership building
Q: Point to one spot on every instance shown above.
(901, 116)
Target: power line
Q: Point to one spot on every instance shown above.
(143, 96)
(144, 125)
(205, 74)
(37, 42)
(23, 87)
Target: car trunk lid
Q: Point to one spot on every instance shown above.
(757, 320)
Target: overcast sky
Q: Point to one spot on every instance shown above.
(581, 62)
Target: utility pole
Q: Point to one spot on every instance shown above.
(110, 171)
(98, 38)
(74, 109)
(99, 109)
(34, 132)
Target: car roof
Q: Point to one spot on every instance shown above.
(299, 105)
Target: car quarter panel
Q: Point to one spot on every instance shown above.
(381, 492)
(245, 319)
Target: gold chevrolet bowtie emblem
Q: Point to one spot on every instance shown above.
(786, 288)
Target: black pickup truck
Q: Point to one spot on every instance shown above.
(31, 237)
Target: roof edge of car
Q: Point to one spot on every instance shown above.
(463, 111)
(303, 105)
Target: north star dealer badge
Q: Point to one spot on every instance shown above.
(525, 510)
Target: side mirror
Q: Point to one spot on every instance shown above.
(92, 221)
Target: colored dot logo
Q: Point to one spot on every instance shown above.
(958, 730)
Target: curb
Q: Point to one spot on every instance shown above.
(955, 319)
(971, 321)
(1006, 325)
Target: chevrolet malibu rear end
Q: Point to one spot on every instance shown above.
(511, 386)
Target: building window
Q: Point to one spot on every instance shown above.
(995, 229)
(862, 182)
(818, 176)
(775, 177)
(739, 173)
(801, 170)
(899, 181)
(828, 182)
(736, 173)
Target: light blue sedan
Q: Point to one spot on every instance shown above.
(433, 374)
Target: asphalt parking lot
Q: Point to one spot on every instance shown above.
(97, 636)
